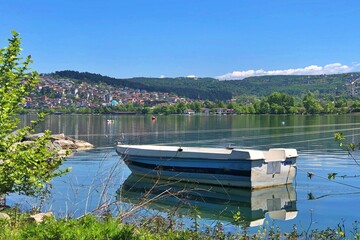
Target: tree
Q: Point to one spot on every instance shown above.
(329, 107)
(25, 167)
(280, 103)
(311, 104)
(264, 107)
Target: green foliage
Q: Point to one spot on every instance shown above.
(350, 147)
(85, 228)
(25, 166)
(15, 84)
(311, 104)
(156, 227)
(331, 175)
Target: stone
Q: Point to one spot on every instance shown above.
(57, 136)
(53, 147)
(2, 200)
(62, 153)
(80, 144)
(32, 137)
(4, 216)
(13, 147)
(39, 217)
(65, 144)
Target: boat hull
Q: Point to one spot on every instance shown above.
(228, 167)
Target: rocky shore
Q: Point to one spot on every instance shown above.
(58, 142)
(61, 143)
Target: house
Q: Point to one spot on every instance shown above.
(189, 111)
(220, 111)
(205, 110)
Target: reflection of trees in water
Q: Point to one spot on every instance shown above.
(301, 131)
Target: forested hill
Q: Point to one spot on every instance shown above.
(213, 89)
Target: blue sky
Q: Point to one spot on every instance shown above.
(228, 39)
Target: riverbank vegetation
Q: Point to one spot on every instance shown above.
(19, 226)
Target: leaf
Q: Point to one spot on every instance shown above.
(332, 176)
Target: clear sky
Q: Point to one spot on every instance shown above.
(228, 39)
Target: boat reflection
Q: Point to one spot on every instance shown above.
(211, 202)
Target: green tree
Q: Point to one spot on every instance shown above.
(220, 104)
(25, 167)
(311, 104)
(264, 107)
(356, 106)
(197, 107)
(341, 103)
(329, 107)
(280, 102)
(180, 107)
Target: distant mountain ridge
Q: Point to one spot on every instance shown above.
(212, 89)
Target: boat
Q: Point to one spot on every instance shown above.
(218, 166)
(211, 201)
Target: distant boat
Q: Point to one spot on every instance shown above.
(218, 166)
(153, 117)
(212, 201)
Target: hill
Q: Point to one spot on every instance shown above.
(213, 89)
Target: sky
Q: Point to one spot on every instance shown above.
(225, 39)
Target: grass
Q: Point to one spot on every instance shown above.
(107, 227)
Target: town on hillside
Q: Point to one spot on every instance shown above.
(53, 92)
(66, 95)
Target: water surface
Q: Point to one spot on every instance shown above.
(314, 202)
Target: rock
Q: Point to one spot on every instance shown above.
(65, 144)
(69, 138)
(59, 136)
(2, 201)
(58, 142)
(4, 216)
(14, 133)
(32, 137)
(53, 146)
(13, 147)
(80, 144)
(39, 217)
(62, 153)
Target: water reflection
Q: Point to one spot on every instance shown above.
(211, 202)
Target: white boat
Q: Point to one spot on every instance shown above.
(219, 166)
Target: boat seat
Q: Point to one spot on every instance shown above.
(279, 154)
(247, 154)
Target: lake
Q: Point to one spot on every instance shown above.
(100, 176)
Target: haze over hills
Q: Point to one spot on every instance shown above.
(326, 86)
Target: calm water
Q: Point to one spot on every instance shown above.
(315, 202)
